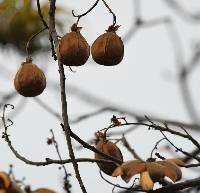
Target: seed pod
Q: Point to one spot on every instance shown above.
(29, 81)
(73, 49)
(110, 149)
(43, 190)
(108, 48)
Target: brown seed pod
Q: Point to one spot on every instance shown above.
(108, 48)
(110, 149)
(73, 49)
(43, 190)
(29, 81)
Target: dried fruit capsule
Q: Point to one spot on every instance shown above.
(108, 148)
(29, 81)
(73, 49)
(108, 48)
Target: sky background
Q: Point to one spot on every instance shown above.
(144, 82)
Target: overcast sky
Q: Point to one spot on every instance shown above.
(144, 82)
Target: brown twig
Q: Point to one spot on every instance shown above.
(177, 186)
(110, 10)
(67, 184)
(84, 14)
(66, 128)
(46, 25)
(31, 38)
(156, 147)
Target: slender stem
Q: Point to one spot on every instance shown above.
(46, 25)
(156, 146)
(31, 38)
(67, 129)
(110, 10)
(58, 152)
(84, 14)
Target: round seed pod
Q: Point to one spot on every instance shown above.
(110, 149)
(43, 190)
(73, 49)
(108, 48)
(30, 80)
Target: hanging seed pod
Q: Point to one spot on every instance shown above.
(110, 149)
(29, 81)
(43, 190)
(108, 48)
(73, 49)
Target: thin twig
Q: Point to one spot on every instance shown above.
(31, 38)
(156, 146)
(67, 184)
(66, 128)
(46, 25)
(110, 10)
(84, 14)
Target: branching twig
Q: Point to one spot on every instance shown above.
(67, 184)
(66, 125)
(46, 25)
(156, 146)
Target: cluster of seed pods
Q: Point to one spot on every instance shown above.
(107, 49)
(73, 50)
